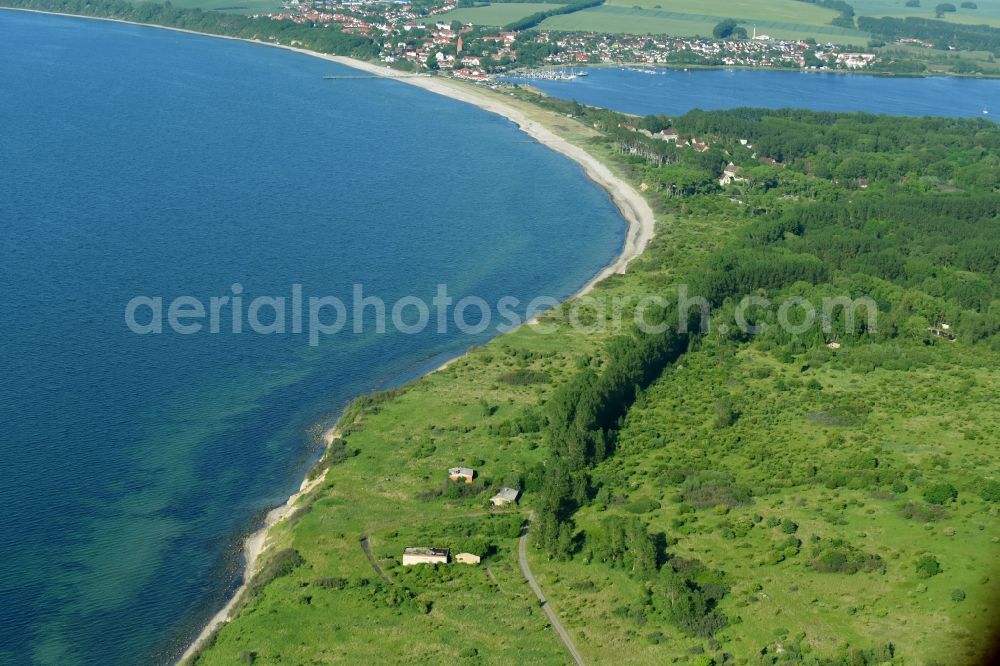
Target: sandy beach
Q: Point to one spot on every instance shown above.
(633, 207)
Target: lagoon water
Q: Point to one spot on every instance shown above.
(674, 92)
(136, 161)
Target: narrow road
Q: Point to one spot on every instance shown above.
(522, 557)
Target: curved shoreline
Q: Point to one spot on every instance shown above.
(631, 205)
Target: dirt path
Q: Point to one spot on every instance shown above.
(522, 558)
(365, 546)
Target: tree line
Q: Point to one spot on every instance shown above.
(533, 20)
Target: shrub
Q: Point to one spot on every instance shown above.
(525, 376)
(840, 557)
(709, 489)
(788, 527)
(940, 493)
(957, 596)
(644, 505)
(990, 491)
(928, 566)
(280, 564)
(332, 583)
(922, 513)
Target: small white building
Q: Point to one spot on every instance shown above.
(461, 474)
(468, 558)
(505, 496)
(413, 556)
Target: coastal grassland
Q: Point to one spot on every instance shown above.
(633, 18)
(764, 500)
(480, 411)
(405, 442)
(497, 14)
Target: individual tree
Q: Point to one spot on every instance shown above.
(940, 493)
(990, 491)
(729, 29)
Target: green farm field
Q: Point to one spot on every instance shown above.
(986, 12)
(620, 19)
(782, 19)
(498, 14)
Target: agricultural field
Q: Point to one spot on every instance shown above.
(497, 14)
(780, 11)
(782, 19)
(631, 20)
(986, 12)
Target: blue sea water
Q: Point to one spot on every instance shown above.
(136, 161)
(674, 92)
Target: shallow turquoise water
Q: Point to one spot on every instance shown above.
(136, 161)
